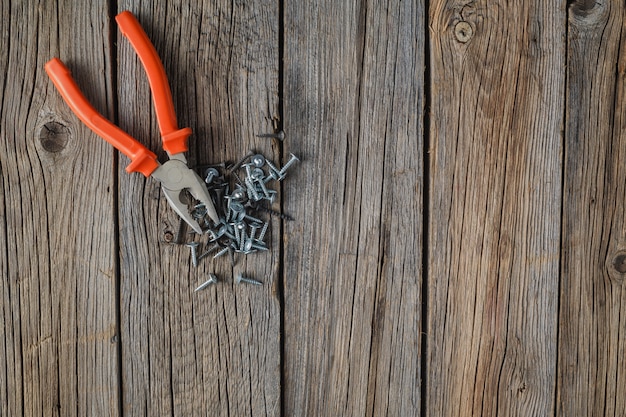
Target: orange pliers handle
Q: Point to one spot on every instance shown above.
(142, 159)
(174, 139)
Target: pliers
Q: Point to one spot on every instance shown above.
(174, 174)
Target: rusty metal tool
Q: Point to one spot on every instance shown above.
(175, 176)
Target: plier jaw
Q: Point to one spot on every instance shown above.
(175, 177)
(174, 174)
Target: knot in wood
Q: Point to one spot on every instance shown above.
(619, 262)
(168, 237)
(463, 31)
(54, 136)
(589, 10)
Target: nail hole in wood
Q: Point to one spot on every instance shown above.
(168, 236)
(54, 136)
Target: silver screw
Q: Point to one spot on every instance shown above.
(289, 163)
(240, 278)
(236, 207)
(263, 231)
(248, 170)
(237, 235)
(229, 235)
(247, 247)
(253, 228)
(275, 213)
(194, 254)
(210, 175)
(237, 179)
(208, 251)
(244, 238)
(238, 194)
(258, 174)
(259, 246)
(222, 252)
(258, 160)
(212, 280)
(264, 188)
(252, 219)
(273, 170)
(241, 161)
(252, 189)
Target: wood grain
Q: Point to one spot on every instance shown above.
(592, 370)
(353, 103)
(522, 278)
(216, 352)
(495, 200)
(57, 315)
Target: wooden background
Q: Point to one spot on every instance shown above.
(459, 247)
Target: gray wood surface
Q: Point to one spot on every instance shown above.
(497, 88)
(58, 265)
(592, 370)
(458, 247)
(352, 268)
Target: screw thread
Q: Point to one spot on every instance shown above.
(263, 231)
(252, 189)
(208, 251)
(220, 253)
(272, 166)
(240, 278)
(240, 162)
(194, 254)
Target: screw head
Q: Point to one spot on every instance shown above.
(257, 173)
(238, 194)
(258, 160)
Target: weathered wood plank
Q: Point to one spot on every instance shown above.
(495, 198)
(592, 370)
(353, 103)
(214, 352)
(57, 315)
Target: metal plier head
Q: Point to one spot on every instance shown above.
(174, 174)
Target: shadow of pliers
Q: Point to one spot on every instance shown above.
(174, 174)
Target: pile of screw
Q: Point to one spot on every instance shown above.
(241, 193)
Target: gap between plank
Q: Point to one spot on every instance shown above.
(425, 213)
(280, 287)
(113, 9)
(568, 6)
